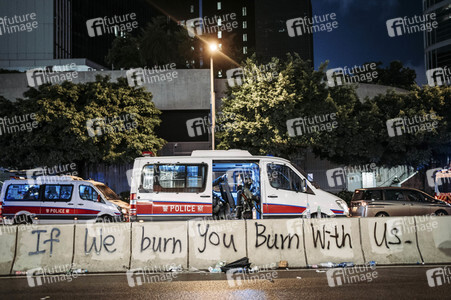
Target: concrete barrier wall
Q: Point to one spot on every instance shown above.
(7, 248)
(158, 245)
(199, 244)
(434, 238)
(102, 247)
(48, 247)
(390, 240)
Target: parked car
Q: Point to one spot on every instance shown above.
(57, 199)
(395, 201)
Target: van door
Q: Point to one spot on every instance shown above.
(395, 203)
(283, 191)
(57, 205)
(88, 206)
(175, 190)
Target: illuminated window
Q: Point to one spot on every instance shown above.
(245, 37)
(244, 24)
(219, 34)
(244, 11)
(219, 5)
(191, 9)
(244, 50)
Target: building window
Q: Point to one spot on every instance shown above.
(244, 24)
(191, 9)
(245, 37)
(244, 11)
(219, 22)
(219, 34)
(220, 46)
(244, 50)
(219, 5)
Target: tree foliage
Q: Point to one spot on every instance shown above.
(63, 113)
(262, 107)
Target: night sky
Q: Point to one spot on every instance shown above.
(362, 34)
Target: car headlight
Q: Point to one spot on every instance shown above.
(124, 211)
(343, 205)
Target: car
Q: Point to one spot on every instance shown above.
(56, 200)
(395, 201)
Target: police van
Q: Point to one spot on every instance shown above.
(225, 184)
(57, 199)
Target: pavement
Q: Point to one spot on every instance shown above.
(390, 282)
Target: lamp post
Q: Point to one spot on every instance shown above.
(213, 49)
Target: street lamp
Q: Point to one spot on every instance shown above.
(213, 49)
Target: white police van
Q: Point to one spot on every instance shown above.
(225, 184)
(56, 199)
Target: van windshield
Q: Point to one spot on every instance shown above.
(107, 192)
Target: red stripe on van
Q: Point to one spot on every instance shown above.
(15, 209)
(179, 208)
(282, 209)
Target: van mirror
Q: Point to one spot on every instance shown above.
(304, 185)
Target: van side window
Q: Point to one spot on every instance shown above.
(372, 195)
(22, 192)
(58, 192)
(283, 177)
(415, 196)
(394, 195)
(175, 178)
(88, 193)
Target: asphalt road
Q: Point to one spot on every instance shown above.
(389, 283)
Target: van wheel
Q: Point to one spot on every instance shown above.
(104, 219)
(22, 220)
(315, 215)
(382, 214)
(441, 213)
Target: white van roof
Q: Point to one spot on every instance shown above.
(220, 153)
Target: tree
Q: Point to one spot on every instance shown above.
(124, 53)
(395, 75)
(259, 111)
(68, 132)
